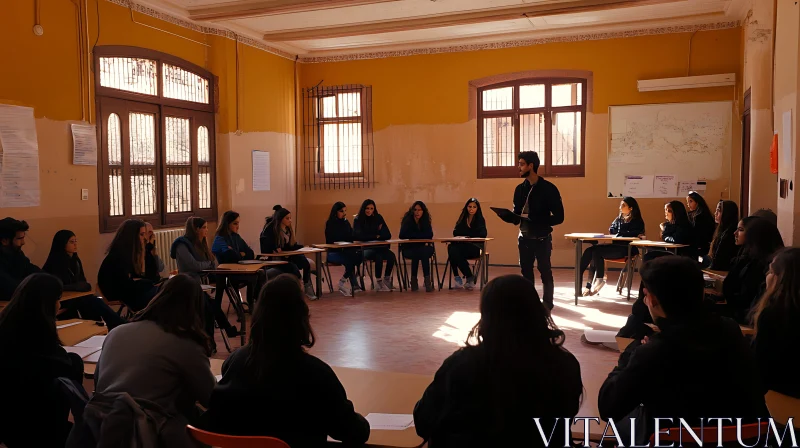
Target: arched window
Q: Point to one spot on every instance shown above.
(156, 117)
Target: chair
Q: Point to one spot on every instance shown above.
(326, 271)
(478, 269)
(709, 434)
(225, 441)
(402, 266)
(625, 279)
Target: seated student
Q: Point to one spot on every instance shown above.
(369, 225)
(278, 236)
(416, 225)
(677, 228)
(337, 229)
(776, 318)
(702, 221)
(759, 239)
(470, 224)
(14, 265)
(723, 244)
(34, 412)
(512, 370)
(153, 264)
(193, 256)
(64, 263)
(161, 357)
(121, 275)
(301, 401)
(698, 365)
(629, 223)
(230, 247)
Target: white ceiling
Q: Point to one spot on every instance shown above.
(312, 28)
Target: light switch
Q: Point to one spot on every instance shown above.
(84, 194)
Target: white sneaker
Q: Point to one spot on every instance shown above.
(344, 289)
(598, 285)
(387, 282)
(310, 292)
(382, 287)
(470, 284)
(459, 283)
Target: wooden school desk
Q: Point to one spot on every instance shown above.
(362, 245)
(69, 295)
(75, 334)
(305, 251)
(484, 274)
(578, 239)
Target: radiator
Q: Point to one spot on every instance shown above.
(164, 239)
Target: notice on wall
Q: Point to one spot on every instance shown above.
(261, 172)
(665, 186)
(785, 165)
(84, 144)
(638, 186)
(19, 152)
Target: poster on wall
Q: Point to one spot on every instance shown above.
(84, 144)
(261, 171)
(19, 157)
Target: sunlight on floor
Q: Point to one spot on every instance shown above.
(457, 327)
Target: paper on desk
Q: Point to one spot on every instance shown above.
(250, 262)
(207, 287)
(94, 357)
(218, 378)
(94, 341)
(81, 351)
(306, 249)
(58, 327)
(390, 422)
(342, 243)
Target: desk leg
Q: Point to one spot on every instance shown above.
(318, 260)
(578, 253)
(631, 270)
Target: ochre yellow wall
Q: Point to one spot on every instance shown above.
(425, 142)
(43, 72)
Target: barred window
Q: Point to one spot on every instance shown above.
(156, 124)
(546, 115)
(337, 136)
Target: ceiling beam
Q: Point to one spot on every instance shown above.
(255, 8)
(459, 18)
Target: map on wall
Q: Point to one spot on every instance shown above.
(683, 142)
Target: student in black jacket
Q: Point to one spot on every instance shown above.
(14, 265)
(759, 239)
(337, 229)
(416, 225)
(472, 225)
(512, 370)
(121, 275)
(677, 228)
(629, 223)
(34, 412)
(64, 263)
(697, 366)
(230, 247)
(776, 319)
(369, 225)
(723, 244)
(153, 264)
(702, 221)
(300, 399)
(278, 236)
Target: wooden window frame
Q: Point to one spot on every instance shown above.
(109, 100)
(546, 168)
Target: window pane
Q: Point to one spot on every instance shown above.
(130, 74)
(531, 96)
(143, 191)
(567, 94)
(115, 206)
(349, 104)
(204, 185)
(567, 138)
(329, 107)
(203, 153)
(114, 140)
(178, 144)
(498, 142)
(342, 148)
(179, 189)
(498, 99)
(532, 134)
(143, 138)
(184, 85)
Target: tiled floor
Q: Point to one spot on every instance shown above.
(414, 332)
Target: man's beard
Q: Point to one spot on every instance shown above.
(525, 174)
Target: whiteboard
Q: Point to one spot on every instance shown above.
(671, 145)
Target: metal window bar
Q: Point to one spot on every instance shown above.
(337, 137)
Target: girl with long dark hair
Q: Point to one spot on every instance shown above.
(723, 244)
(34, 359)
(230, 247)
(278, 236)
(512, 370)
(472, 225)
(338, 229)
(301, 401)
(702, 221)
(369, 225)
(122, 272)
(416, 225)
(628, 223)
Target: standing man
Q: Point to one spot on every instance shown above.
(538, 203)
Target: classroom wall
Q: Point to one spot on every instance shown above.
(787, 82)
(425, 142)
(43, 72)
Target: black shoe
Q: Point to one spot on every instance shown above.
(232, 332)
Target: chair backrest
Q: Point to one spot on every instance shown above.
(708, 434)
(224, 441)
